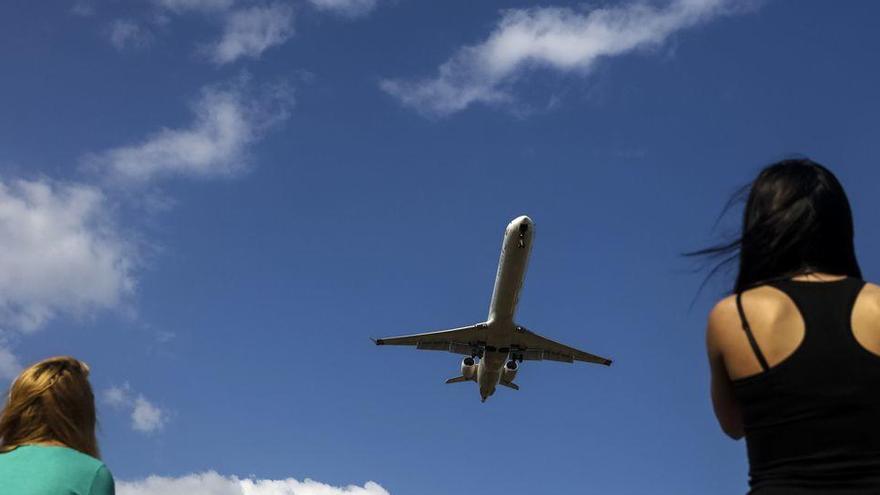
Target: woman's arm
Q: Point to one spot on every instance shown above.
(724, 402)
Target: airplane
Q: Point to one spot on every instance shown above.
(499, 342)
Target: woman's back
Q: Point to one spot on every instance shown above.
(41, 470)
(804, 360)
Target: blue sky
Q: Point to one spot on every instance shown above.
(216, 202)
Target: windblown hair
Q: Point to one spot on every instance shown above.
(51, 401)
(797, 220)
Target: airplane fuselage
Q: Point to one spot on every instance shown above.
(499, 342)
(515, 250)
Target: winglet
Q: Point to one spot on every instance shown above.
(607, 362)
(377, 341)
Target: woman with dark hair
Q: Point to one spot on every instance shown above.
(795, 350)
(47, 433)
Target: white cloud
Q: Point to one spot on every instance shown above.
(250, 31)
(179, 6)
(248, 28)
(118, 396)
(146, 417)
(546, 37)
(125, 33)
(347, 8)
(59, 253)
(211, 483)
(228, 119)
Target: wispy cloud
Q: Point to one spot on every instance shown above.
(10, 365)
(228, 119)
(346, 8)
(118, 396)
(248, 32)
(211, 483)
(560, 39)
(249, 28)
(146, 417)
(60, 253)
(83, 8)
(126, 33)
(180, 6)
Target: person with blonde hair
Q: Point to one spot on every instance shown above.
(47, 433)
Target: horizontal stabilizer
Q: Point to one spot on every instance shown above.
(458, 379)
(509, 385)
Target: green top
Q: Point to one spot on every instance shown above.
(48, 470)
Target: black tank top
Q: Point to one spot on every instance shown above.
(812, 422)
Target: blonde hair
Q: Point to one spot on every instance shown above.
(51, 401)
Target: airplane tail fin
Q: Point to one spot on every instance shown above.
(509, 385)
(459, 379)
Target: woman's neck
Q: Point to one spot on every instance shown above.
(818, 277)
(48, 443)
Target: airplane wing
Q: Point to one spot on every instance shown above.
(533, 347)
(463, 340)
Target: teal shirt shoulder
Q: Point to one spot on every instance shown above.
(44, 470)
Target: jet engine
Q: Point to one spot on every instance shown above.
(468, 367)
(509, 371)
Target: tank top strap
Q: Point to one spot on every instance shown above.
(748, 330)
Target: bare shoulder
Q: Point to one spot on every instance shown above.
(724, 320)
(865, 318)
(722, 313)
(871, 294)
(775, 323)
(868, 304)
(724, 326)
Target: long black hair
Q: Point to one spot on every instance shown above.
(797, 220)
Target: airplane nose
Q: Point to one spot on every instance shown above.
(521, 224)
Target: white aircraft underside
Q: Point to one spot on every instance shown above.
(499, 342)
